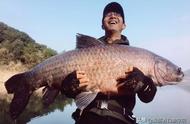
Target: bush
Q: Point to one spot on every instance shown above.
(17, 46)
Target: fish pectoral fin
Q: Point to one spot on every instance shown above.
(49, 95)
(84, 41)
(83, 99)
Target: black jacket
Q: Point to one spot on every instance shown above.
(147, 92)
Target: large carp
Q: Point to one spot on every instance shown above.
(103, 65)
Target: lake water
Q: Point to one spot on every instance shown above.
(56, 117)
(170, 106)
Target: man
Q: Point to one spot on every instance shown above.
(119, 109)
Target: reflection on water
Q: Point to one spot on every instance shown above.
(170, 106)
(34, 109)
(56, 117)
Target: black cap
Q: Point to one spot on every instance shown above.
(113, 7)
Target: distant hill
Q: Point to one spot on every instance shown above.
(19, 47)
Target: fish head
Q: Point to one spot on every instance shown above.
(167, 73)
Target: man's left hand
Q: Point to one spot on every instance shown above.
(132, 82)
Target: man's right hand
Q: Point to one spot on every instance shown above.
(74, 83)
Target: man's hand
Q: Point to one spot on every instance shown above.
(83, 79)
(132, 82)
(74, 83)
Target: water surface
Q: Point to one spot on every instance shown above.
(170, 106)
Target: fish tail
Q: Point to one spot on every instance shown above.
(14, 82)
(21, 94)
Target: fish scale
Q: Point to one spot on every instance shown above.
(95, 65)
(95, 61)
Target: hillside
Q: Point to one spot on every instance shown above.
(18, 53)
(18, 47)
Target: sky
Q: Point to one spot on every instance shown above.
(161, 26)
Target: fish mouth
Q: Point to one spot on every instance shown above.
(180, 77)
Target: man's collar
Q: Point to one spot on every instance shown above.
(123, 40)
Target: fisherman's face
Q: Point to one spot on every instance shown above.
(113, 22)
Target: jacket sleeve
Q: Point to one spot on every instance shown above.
(148, 91)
